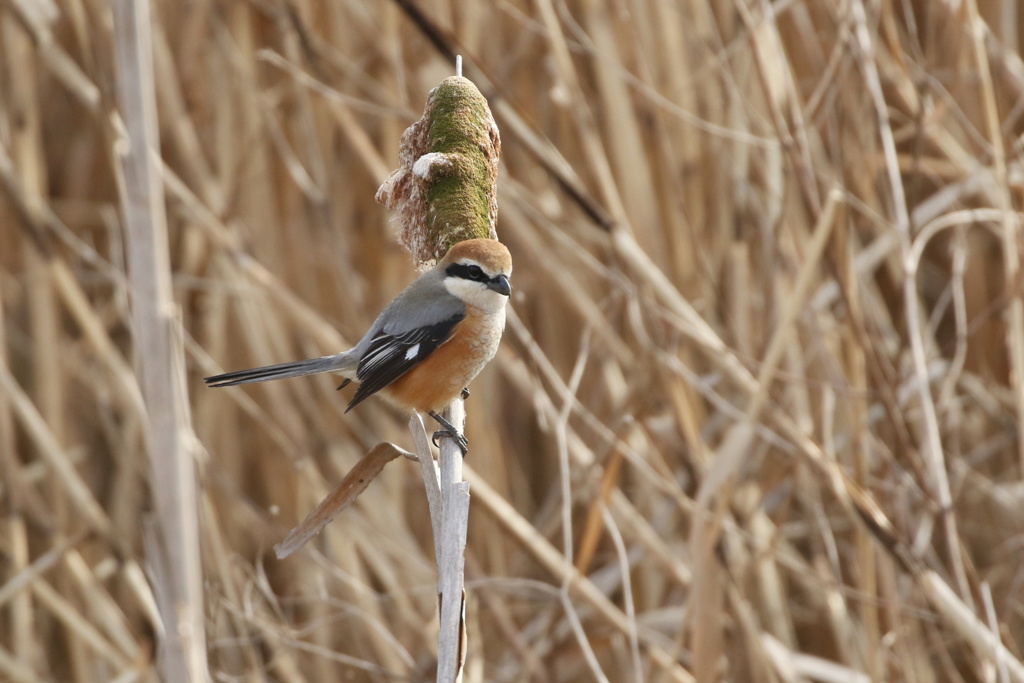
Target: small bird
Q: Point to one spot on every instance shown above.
(428, 344)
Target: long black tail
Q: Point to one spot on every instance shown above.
(313, 366)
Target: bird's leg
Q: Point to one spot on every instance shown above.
(465, 393)
(451, 432)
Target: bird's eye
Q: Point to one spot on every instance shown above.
(467, 271)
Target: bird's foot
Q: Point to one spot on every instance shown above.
(459, 439)
(450, 432)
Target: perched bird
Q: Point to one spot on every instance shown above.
(427, 344)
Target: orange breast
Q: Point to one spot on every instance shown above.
(438, 380)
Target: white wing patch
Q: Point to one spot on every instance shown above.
(412, 352)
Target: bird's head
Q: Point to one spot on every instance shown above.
(477, 272)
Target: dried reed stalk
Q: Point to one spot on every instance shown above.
(173, 552)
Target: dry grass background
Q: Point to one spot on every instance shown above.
(763, 384)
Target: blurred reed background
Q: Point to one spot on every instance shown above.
(767, 318)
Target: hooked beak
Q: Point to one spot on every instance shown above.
(500, 284)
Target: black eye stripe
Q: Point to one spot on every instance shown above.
(467, 272)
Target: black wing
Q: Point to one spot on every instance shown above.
(391, 356)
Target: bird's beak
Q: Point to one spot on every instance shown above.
(500, 284)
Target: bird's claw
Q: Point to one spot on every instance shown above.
(451, 432)
(465, 393)
(458, 438)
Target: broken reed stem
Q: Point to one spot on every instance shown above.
(451, 570)
(448, 501)
(159, 359)
(431, 478)
(353, 484)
